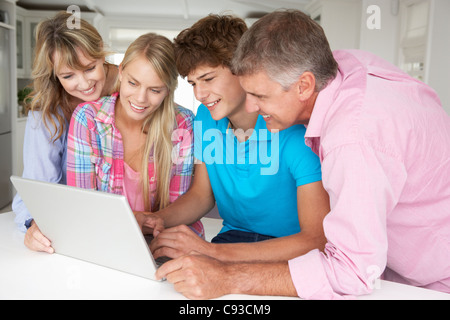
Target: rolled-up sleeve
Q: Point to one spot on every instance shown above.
(364, 184)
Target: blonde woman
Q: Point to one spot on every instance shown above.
(136, 142)
(69, 68)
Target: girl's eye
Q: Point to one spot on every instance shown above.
(209, 79)
(156, 91)
(132, 83)
(91, 69)
(67, 77)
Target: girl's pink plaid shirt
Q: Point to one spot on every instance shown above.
(95, 151)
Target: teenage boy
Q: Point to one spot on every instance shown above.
(267, 186)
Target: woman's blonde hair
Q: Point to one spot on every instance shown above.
(53, 35)
(158, 126)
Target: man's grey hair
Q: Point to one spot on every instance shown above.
(285, 44)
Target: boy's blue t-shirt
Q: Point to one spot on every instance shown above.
(255, 182)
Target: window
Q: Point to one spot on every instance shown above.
(414, 34)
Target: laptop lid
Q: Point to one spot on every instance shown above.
(89, 225)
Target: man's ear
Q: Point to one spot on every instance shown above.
(306, 85)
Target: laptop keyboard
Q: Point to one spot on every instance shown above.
(161, 260)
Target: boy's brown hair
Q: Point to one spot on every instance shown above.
(210, 41)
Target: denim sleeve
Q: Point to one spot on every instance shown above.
(43, 160)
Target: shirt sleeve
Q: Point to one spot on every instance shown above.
(183, 159)
(364, 185)
(80, 165)
(42, 160)
(182, 154)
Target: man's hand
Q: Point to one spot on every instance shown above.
(201, 277)
(197, 276)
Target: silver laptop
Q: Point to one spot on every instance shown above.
(89, 225)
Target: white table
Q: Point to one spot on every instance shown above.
(32, 275)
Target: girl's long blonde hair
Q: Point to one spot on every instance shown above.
(53, 35)
(158, 126)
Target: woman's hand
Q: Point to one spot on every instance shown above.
(36, 241)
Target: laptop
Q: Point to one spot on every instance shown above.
(88, 225)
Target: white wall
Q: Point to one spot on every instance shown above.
(348, 24)
(383, 41)
(437, 74)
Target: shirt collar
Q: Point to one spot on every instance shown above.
(263, 133)
(106, 108)
(323, 102)
(260, 133)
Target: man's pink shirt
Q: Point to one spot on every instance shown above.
(383, 139)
